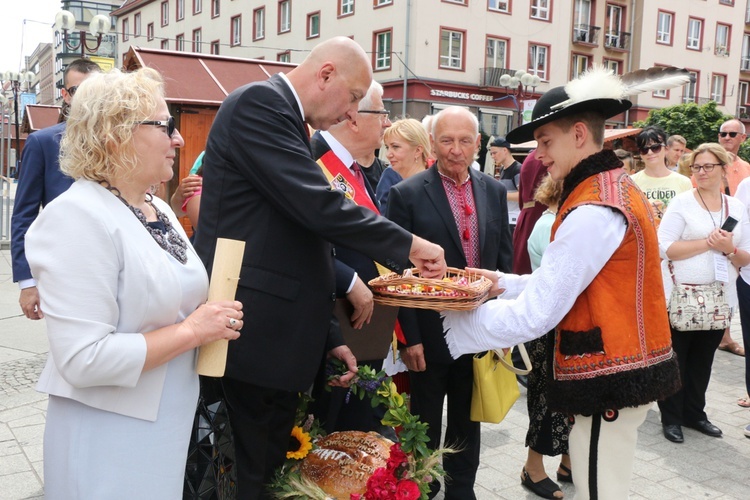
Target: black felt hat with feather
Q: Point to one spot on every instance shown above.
(597, 90)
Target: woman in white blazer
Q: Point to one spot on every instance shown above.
(124, 297)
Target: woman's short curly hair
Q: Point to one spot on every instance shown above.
(98, 140)
(413, 132)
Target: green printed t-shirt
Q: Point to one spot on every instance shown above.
(662, 188)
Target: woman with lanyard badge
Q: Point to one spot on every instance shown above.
(701, 252)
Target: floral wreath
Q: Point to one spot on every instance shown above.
(411, 467)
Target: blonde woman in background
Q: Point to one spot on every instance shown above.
(548, 431)
(408, 150)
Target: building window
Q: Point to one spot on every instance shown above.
(125, 30)
(664, 28)
(499, 5)
(540, 9)
(451, 49)
(694, 34)
(539, 60)
(137, 25)
(197, 40)
(285, 16)
(235, 37)
(745, 58)
(164, 13)
(718, 84)
(381, 3)
(180, 10)
(723, 32)
(496, 53)
(179, 41)
(259, 23)
(690, 89)
(215, 8)
(742, 98)
(614, 27)
(150, 31)
(197, 6)
(613, 65)
(727, 2)
(313, 25)
(382, 50)
(579, 65)
(346, 7)
(284, 56)
(215, 47)
(165, 44)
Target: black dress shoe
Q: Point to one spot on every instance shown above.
(706, 428)
(673, 433)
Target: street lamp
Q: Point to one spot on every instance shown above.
(519, 83)
(65, 21)
(517, 88)
(15, 80)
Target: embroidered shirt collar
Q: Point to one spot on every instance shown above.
(451, 179)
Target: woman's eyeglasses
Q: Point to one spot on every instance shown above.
(708, 167)
(654, 148)
(167, 124)
(730, 134)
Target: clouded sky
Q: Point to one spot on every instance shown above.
(23, 25)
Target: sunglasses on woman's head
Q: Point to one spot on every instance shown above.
(654, 148)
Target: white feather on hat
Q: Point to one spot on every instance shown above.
(601, 83)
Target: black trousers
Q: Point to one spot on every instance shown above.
(695, 356)
(262, 421)
(743, 294)
(428, 391)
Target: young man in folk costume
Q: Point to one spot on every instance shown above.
(599, 286)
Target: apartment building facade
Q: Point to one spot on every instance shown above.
(429, 54)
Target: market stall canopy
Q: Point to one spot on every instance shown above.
(201, 79)
(39, 116)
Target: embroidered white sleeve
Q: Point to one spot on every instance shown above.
(583, 245)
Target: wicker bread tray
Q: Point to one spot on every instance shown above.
(458, 291)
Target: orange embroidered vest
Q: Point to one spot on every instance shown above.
(613, 349)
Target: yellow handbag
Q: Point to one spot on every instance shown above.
(495, 387)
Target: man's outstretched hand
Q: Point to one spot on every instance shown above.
(428, 257)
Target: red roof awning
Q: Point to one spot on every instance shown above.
(201, 79)
(39, 116)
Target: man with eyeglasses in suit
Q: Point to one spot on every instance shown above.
(39, 182)
(731, 136)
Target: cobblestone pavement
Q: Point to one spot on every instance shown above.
(701, 468)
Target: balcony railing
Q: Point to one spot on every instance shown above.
(586, 33)
(745, 63)
(490, 77)
(619, 40)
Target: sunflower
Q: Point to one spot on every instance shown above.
(299, 444)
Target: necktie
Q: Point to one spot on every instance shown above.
(358, 174)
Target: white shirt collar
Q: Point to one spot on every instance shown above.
(291, 87)
(339, 150)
